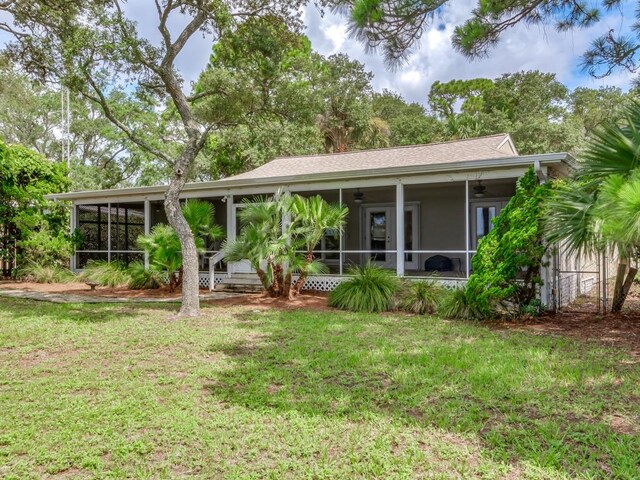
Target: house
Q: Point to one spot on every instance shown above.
(419, 210)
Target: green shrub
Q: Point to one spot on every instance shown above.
(106, 274)
(506, 267)
(33, 272)
(144, 278)
(370, 290)
(453, 304)
(419, 297)
(43, 247)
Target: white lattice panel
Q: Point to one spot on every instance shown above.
(326, 283)
(204, 279)
(323, 283)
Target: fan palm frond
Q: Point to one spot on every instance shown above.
(572, 220)
(614, 149)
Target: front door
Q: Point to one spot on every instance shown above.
(380, 235)
(378, 223)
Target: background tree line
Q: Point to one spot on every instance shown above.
(289, 100)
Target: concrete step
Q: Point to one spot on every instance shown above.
(241, 281)
(244, 275)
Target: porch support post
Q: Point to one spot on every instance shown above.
(147, 228)
(109, 231)
(466, 224)
(73, 223)
(400, 229)
(231, 226)
(341, 236)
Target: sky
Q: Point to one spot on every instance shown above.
(521, 48)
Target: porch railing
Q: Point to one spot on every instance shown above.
(213, 259)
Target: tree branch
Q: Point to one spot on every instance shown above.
(100, 99)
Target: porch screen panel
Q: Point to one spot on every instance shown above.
(93, 225)
(127, 224)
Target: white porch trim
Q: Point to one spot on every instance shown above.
(400, 229)
(147, 228)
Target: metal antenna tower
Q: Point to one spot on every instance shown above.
(65, 125)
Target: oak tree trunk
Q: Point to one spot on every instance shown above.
(190, 280)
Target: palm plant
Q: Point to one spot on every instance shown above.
(163, 244)
(261, 241)
(278, 237)
(600, 208)
(312, 218)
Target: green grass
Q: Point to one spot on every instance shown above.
(113, 391)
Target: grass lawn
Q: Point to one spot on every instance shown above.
(121, 391)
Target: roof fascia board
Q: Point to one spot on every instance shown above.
(424, 179)
(146, 193)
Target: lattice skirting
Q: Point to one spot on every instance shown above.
(326, 283)
(204, 279)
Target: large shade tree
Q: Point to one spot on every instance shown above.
(94, 47)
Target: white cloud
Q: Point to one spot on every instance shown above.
(521, 48)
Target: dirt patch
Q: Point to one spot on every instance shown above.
(84, 289)
(619, 330)
(305, 301)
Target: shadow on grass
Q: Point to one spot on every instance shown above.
(75, 312)
(536, 399)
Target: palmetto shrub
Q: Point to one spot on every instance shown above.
(106, 274)
(142, 278)
(420, 297)
(34, 272)
(371, 289)
(163, 245)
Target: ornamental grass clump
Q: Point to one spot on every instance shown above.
(371, 289)
(33, 272)
(453, 304)
(106, 274)
(420, 297)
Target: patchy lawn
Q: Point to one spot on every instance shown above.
(124, 391)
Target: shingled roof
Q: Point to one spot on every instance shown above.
(483, 148)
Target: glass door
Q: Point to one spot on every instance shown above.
(378, 234)
(411, 240)
(482, 216)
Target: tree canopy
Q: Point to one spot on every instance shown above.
(31, 228)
